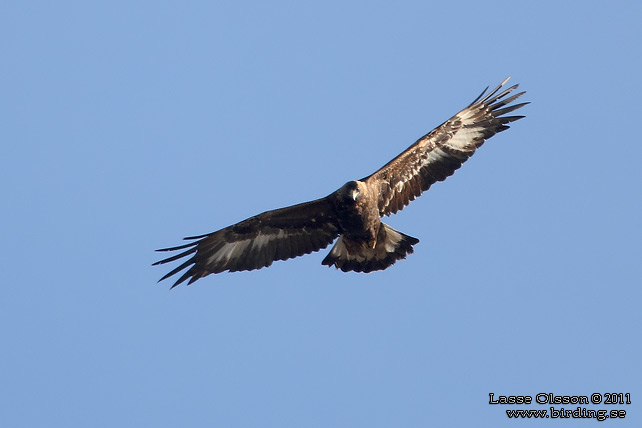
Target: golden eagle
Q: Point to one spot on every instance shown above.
(353, 212)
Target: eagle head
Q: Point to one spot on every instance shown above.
(351, 191)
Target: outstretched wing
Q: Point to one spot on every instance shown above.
(258, 241)
(437, 155)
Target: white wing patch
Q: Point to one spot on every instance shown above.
(232, 250)
(435, 156)
(464, 139)
(262, 240)
(229, 251)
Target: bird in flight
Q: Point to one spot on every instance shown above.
(353, 212)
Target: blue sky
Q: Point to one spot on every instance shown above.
(128, 125)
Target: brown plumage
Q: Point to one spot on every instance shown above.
(353, 212)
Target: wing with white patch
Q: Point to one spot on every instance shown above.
(258, 241)
(437, 155)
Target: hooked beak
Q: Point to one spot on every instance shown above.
(354, 194)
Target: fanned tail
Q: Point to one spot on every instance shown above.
(391, 246)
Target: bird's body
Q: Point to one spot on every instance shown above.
(353, 212)
(366, 243)
(357, 216)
